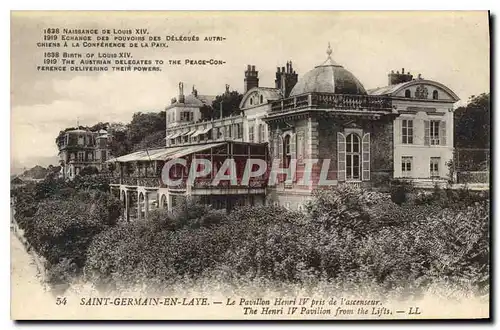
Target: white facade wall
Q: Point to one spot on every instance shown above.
(420, 112)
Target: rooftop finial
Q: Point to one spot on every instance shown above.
(329, 61)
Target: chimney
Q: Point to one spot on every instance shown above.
(251, 78)
(283, 83)
(398, 78)
(286, 79)
(181, 92)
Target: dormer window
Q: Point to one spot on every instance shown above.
(407, 93)
(435, 95)
(251, 101)
(261, 99)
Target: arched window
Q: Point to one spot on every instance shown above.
(407, 93)
(287, 155)
(261, 99)
(353, 157)
(435, 95)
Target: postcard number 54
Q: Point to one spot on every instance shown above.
(61, 301)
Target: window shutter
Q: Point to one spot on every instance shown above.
(366, 156)
(293, 144)
(427, 132)
(442, 133)
(340, 157)
(412, 131)
(398, 129)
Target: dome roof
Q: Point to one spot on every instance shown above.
(328, 77)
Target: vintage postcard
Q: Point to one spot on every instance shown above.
(320, 165)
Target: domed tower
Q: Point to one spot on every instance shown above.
(328, 77)
(329, 117)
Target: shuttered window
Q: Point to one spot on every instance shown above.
(427, 134)
(366, 157)
(406, 166)
(341, 157)
(442, 132)
(434, 167)
(353, 157)
(434, 132)
(407, 131)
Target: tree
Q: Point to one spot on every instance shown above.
(230, 103)
(152, 141)
(144, 124)
(472, 134)
(99, 126)
(119, 144)
(472, 123)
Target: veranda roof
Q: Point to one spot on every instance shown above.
(164, 154)
(175, 135)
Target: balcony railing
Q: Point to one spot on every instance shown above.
(207, 183)
(199, 183)
(332, 101)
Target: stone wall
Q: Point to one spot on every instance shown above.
(381, 151)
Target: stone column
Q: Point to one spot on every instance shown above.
(139, 211)
(146, 205)
(127, 206)
(169, 202)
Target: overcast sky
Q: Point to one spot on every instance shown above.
(451, 48)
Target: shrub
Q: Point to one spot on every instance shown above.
(106, 208)
(460, 245)
(62, 272)
(269, 242)
(191, 215)
(143, 253)
(347, 235)
(89, 170)
(347, 207)
(63, 229)
(451, 198)
(399, 191)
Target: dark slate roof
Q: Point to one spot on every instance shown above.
(328, 77)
